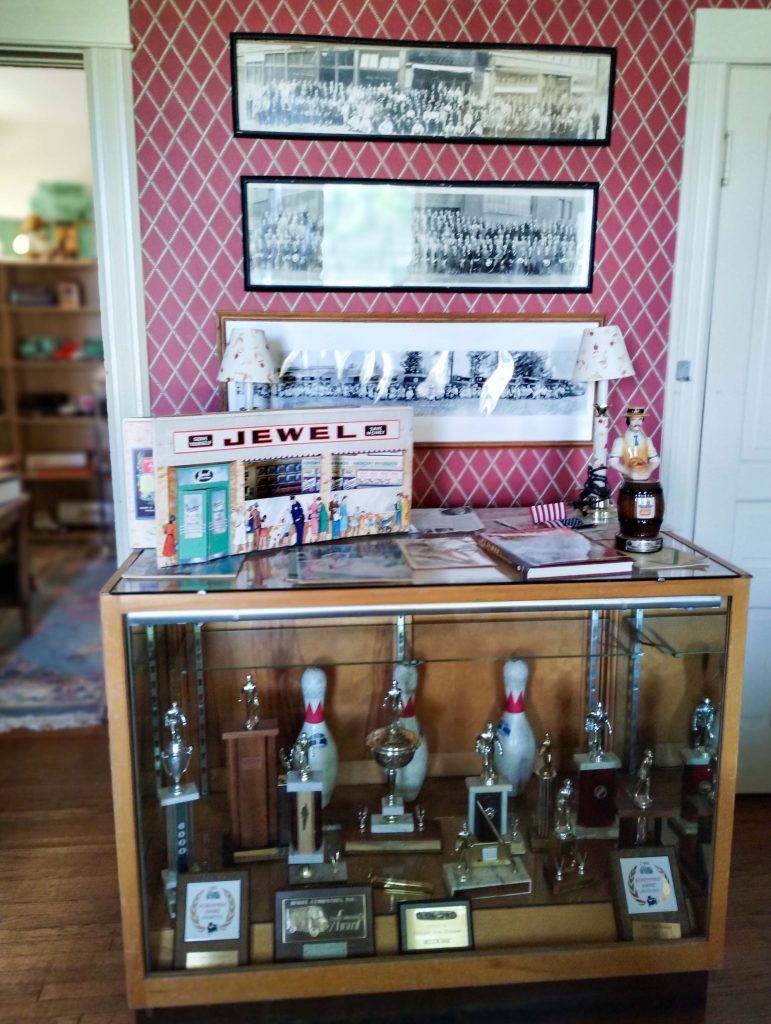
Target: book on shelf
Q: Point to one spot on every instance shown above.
(553, 554)
(10, 486)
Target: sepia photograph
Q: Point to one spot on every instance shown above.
(320, 233)
(467, 380)
(334, 88)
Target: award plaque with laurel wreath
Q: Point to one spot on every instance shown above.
(648, 896)
(212, 924)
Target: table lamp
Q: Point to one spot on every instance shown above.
(247, 361)
(602, 356)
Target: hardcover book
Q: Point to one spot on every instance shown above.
(551, 554)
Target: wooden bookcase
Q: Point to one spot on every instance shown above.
(52, 392)
(651, 648)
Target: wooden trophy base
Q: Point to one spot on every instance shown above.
(252, 776)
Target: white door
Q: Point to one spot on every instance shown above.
(733, 504)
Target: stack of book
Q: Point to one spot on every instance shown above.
(554, 553)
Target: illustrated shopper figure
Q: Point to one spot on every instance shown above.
(298, 518)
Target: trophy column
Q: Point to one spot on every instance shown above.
(488, 794)
(597, 774)
(251, 759)
(176, 801)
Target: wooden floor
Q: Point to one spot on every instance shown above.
(60, 947)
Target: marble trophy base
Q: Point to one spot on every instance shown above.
(596, 791)
(511, 879)
(487, 803)
(307, 844)
(393, 818)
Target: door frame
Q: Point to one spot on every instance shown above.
(100, 34)
(721, 38)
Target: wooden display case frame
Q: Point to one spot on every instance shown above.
(542, 947)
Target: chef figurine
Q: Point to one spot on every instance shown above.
(633, 454)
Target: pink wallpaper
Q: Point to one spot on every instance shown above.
(189, 165)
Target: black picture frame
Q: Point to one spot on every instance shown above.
(328, 87)
(358, 234)
(324, 923)
(636, 918)
(426, 926)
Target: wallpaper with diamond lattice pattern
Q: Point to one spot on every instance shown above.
(189, 164)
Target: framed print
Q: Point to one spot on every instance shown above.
(212, 923)
(322, 87)
(437, 924)
(647, 893)
(471, 380)
(321, 924)
(347, 235)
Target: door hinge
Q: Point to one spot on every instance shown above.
(726, 159)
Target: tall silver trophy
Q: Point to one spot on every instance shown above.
(176, 800)
(393, 747)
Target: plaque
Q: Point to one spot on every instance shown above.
(212, 926)
(435, 925)
(647, 894)
(323, 924)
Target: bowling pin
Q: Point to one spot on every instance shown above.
(322, 749)
(515, 758)
(410, 778)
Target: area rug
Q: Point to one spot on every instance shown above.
(53, 679)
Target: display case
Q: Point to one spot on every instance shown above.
(539, 898)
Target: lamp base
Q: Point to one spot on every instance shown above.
(595, 502)
(600, 512)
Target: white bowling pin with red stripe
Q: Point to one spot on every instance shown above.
(322, 749)
(410, 778)
(515, 758)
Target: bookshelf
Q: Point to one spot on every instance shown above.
(52, 391)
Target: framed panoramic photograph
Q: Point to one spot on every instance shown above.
(323, 924)
(322, 87)
(323, 233)
(471, 380)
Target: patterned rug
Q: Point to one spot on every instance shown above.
(53, 679)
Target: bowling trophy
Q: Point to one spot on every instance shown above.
(490, 869)
(566, 864)
(393, 747)
(597, 774)
(307, 857)
(542, 824)
(176, 801)
(640, 813)
(252, 778)
(698, 759)
(488, 793)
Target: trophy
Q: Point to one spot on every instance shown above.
(176, 800)
(487, 792)
(597, 774)
(698, 769)
(492, 876)
(566, 864)
(250, 758)
(393, 747)
(304, 787)
(544, 812)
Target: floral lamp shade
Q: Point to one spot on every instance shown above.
(247, 358)
(247, 368)
(602, 355)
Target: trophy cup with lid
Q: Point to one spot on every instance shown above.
(597, 773)
(176, 800)
(393, 747)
